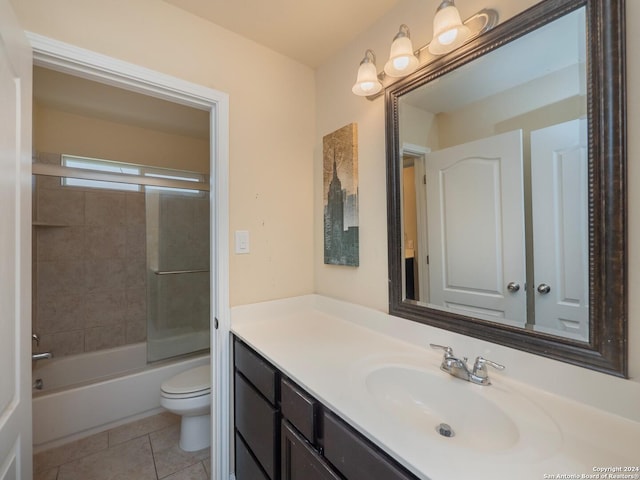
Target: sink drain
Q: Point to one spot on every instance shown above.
(445, 430)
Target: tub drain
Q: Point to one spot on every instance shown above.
(445, 430)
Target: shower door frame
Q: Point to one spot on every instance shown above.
(56, 55)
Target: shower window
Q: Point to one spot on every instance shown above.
(120, 168)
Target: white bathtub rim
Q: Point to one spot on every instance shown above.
(83, 369)
(69, 414)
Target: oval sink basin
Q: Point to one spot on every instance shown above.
(482, 419)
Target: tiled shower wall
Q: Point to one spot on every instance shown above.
(89, 266)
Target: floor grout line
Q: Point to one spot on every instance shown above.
(153, 456)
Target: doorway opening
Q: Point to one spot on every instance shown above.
(65, 59)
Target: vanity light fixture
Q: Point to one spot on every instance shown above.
(402, 60)
(367, 82)
(448, 30)
(449, 33)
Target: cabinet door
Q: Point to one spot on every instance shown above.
(299, 460)
(247, 467)
(355, 456)
(258, 424)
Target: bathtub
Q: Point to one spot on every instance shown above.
(88, 393)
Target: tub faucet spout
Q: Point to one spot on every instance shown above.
(41, 356)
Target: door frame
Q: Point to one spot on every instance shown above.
(419, 154)
(80, 62)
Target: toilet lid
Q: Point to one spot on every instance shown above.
(190, 381)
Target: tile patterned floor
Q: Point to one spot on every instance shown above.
(146, 449)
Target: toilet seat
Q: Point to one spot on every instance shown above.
(192, 383)
(178, 396)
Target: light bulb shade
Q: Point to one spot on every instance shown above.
(367, 82)
(402, 61)
(448, 30)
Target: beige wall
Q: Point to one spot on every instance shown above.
(73, 134)
(271, 122)
(337, 106)
(273, 141)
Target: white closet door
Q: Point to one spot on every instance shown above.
(15, 249)
(560, 202)
(476, 228)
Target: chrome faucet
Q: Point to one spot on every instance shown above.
(39, 356)
(459, 368)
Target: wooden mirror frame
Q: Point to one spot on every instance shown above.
(606, 350)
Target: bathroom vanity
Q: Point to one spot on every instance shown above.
(325, 389)
(281, 431)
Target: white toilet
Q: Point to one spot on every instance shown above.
(189, 394)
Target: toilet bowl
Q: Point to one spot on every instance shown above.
(188, 394)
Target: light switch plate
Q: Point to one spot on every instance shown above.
(242, 241)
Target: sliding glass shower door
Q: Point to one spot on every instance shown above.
(178, 260)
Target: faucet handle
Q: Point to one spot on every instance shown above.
(479, 374)
(479, 367)
(448, 351)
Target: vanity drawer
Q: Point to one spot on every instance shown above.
(356, 457)
(260, 373)
(299, 408)
(258, 423)
(247, 467)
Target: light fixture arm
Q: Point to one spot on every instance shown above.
(445, 4)
(403, 31)
(369, 57)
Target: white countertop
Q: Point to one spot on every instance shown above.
(313, 343)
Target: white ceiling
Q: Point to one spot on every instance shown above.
(309, 31)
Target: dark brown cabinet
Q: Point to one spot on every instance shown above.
(300, 461)
(283, 433)
(257, 422)
(299, 408)
(247, 467)
(354, 456)
(257, 416)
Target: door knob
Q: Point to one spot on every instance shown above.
(543, 289)
(513, 287)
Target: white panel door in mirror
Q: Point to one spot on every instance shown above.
(475, 228)
(559, 181)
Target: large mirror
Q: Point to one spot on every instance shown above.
(506, 192)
